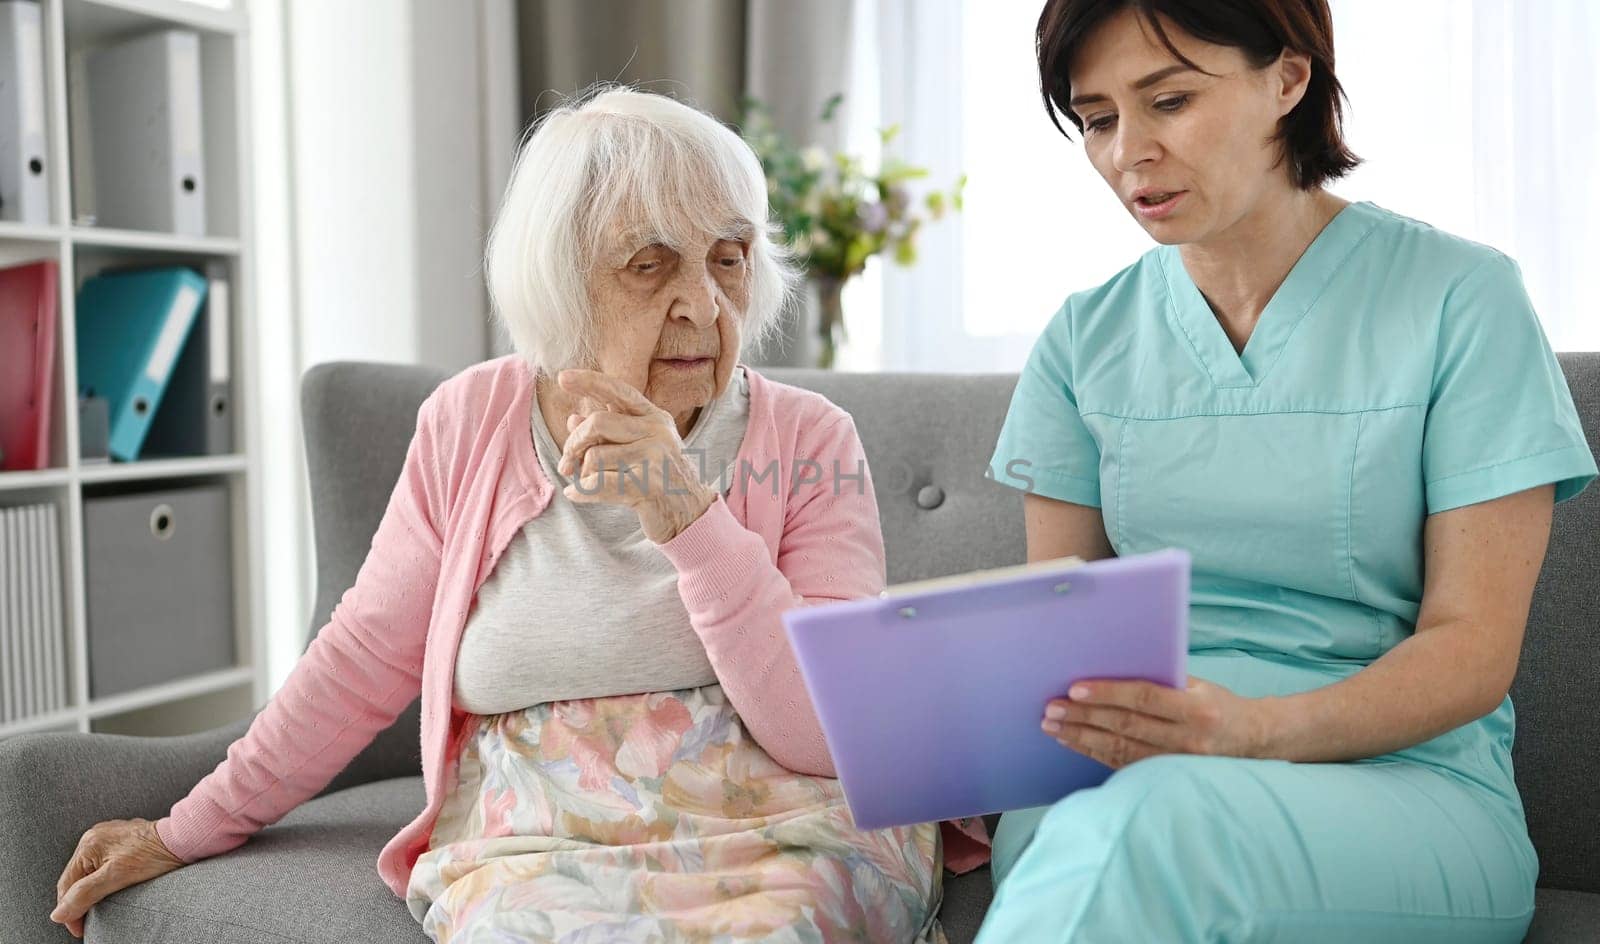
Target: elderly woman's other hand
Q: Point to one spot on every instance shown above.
(110, 857)
(616, 430)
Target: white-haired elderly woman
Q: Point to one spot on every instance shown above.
(581, 571)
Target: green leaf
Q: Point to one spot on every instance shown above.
(895, 172)
(820, 207)
(856, 255)
(831, 106)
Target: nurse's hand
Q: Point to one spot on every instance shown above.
(1118, 722)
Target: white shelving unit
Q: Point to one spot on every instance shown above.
(70, 28)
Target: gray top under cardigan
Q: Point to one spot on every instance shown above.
(582, 604)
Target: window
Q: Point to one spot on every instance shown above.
(1481, 117)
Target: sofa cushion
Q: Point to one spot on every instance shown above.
(940, 516)
(1557, 690)
(1564, 917)
(310, 879)
(928, 439)
(966, 901)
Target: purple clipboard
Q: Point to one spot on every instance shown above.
(931, 700)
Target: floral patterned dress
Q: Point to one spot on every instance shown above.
(658, 818)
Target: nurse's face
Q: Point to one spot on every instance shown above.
(1200, 145)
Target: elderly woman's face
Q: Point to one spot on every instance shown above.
(1151, 122)
(669, 318)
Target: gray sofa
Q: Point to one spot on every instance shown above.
(311, 877)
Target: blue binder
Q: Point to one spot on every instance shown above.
(131, 328)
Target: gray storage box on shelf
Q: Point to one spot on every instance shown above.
(159, 582)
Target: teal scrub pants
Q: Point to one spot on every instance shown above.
(1184, 848)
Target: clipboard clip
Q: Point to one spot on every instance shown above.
(910, 612)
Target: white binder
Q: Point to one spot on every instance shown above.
(24, 166)
(19, 626)
(33, 660)
(219, 387)
(56, 644)
(10, 621)
(31, 648)
(40, 622)
(8, 674)
(145, 124)
(195, 417)
(218, 316)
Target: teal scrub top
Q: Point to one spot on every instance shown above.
(1398, 371)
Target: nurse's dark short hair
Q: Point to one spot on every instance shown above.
(1312, 133)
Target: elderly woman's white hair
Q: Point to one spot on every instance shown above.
(621, 161)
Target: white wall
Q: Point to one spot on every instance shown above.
(385, 166)
(284, 529)
(374, 187)
(447, 107)
(500, 119)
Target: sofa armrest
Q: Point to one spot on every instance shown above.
(53, 787)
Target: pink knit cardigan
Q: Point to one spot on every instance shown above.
(471, 480)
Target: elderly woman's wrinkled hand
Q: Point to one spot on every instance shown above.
(618, 429)
(110, 857)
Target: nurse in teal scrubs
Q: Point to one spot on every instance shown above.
(1355, 425)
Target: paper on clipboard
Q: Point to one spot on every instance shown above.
(975, 577)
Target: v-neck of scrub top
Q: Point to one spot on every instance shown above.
(1289, 305)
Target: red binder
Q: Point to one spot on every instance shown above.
(27, 363)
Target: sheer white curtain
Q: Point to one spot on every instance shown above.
(1481, 117)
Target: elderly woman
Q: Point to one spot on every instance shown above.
(582, 571)
(1355, 424)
